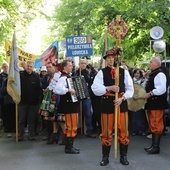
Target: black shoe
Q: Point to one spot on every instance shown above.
(166, 130)
(71, 150)
(123, 154)
(62, 143)
(123, 160)
(164, 133)
(104, 161)
(53, 139)
(31, 138)
(146, 149)
(77, 149)
(45, 138)
(153, 150)
(134, 134)
(20, 138)
(90, 134)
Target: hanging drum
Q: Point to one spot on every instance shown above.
(137, 101)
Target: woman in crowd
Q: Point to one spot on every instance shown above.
(137, 119)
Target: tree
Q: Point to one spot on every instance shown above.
(140, 16)
(15, 13)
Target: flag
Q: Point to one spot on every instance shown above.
(13, 84)
(22, 54)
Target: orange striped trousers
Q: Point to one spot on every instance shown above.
(107, 123)
(71, 120)
(155, 118)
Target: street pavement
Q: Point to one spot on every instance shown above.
(37, 155)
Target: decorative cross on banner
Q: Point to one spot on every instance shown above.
(118, 29)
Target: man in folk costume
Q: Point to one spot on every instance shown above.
(103, 85)
(67, 107)
(44, 108)
(156, 96)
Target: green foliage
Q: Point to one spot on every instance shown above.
(16, 14)
(140, 16)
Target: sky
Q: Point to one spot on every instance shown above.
(37, 29)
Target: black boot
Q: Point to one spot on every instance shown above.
(105, 153)
(77, 149)
(155, 149)
(69, 146)
(63, 142)
(53, 139)
(31, 136)
(146, 149)
(123, 154)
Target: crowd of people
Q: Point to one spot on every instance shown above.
(47, 109)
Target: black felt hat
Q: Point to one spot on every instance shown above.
(114, 51)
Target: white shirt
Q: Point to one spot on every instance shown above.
(99, 89)
(54, 81)
(61, 87)
(139, 81)
(160, 84)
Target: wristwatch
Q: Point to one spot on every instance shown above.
(107, 89)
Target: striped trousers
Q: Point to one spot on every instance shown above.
(155, 118)
(107, 124)
(71, 121)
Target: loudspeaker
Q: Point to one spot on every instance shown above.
(156, 32)
(159, 46)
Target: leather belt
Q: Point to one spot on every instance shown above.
(113, 94)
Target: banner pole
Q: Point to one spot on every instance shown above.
(105, 39)
(16, 113)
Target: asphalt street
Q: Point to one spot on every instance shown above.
(37, 155)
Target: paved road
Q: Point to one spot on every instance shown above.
(37, 155)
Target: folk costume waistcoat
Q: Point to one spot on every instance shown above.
(107, 105)
(155, 102)
(66, 105)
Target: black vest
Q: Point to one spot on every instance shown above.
(107, 105)
(66, 105)
(155, 102)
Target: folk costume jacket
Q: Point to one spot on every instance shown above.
(65, 105)
(104, 79)
(157, 84)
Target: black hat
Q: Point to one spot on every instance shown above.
(114, 51)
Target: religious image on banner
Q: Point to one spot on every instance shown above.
(50, 55)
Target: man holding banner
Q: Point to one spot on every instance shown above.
(104, 86)
(31, 93)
